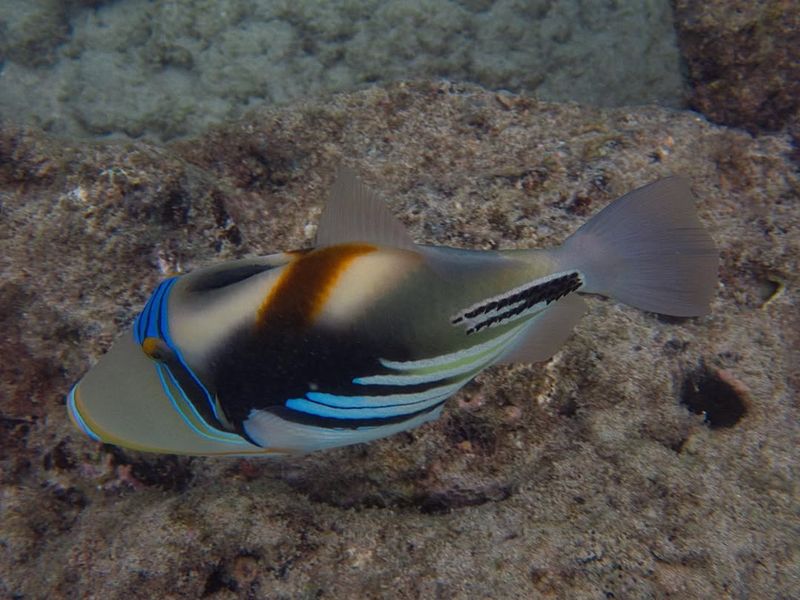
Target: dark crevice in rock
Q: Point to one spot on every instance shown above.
(705, 392)
(466, 427)
(217, 581)
(59, 458)
(236, 574)
(444, 502)
(176, 207)
(415, 493)
(167, 472)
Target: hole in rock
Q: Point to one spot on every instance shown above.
(705, 392)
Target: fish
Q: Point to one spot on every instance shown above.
(367, 333)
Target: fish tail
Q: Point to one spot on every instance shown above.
(647, 249)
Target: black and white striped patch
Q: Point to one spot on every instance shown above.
(518, 302)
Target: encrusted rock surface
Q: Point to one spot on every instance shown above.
(163, 69)
(589, 476)
(744, 61)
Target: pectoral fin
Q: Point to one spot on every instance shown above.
(547, 332)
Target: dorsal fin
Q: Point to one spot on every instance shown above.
(355, 214)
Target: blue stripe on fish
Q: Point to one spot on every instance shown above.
(162, 318)
(194, 379)
(153, 322)
(77, 417)
(396, 410)
(147, 324)
(212, 433)
(383, 401)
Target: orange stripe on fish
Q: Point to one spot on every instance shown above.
(306, 284)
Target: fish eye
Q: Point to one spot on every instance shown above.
(155, 348)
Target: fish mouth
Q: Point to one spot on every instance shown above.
(76, 415)
(126, 400)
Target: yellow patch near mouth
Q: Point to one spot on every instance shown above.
(152, 346)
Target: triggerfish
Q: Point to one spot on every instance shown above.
(368, 333)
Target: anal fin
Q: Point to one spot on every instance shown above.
(546, 333)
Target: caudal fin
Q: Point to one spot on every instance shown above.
(647, 249)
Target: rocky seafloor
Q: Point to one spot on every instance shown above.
(163, 69)
(651, 457)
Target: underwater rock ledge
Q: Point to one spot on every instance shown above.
(650, 457)
(743, 61)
